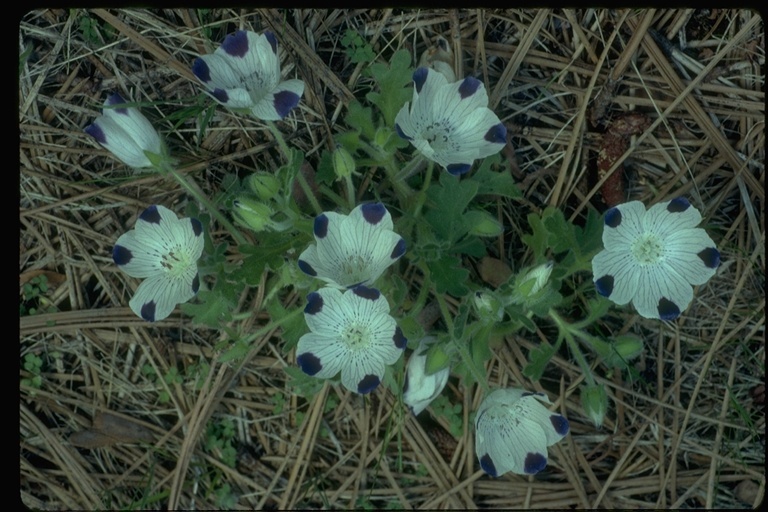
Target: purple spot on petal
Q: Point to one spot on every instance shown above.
(399, 249)
(115, 99)
(314, 304)
(486, 463)
(366, 293)
(667, 309)
(148, 311)
(560, 424)
(373, 212)
(201, 70)
(221, 95)
(196, 283)
(309, 363)
(321, 226)
(399, 339)
(121, 255)
(151, 215)
(613, 217)
(677, 205)
(469, 86)
(197, 226)
(419, 77)
(401, 133)
(534, 462)
(284, 102)
(307, 268)
(236, 44)
(496, 134)
(272, 40)
(367, 384)
(604, 285)
(458, 169)
(710, 257)
(95, 131)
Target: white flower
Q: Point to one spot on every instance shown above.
(126, 133)
(652, 258)
(420, 389)
(244, 73)
(513, 430)
(351, 332)
(450, 123)
(352, 249)
(164, 250)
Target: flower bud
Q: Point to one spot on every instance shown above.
(535, 279)
(343, 163)
(128, 135)
(482, 223)
(624, 348)
(264, 185)
(252, 214)
(488, 306)
(420, 389)
(594, 400)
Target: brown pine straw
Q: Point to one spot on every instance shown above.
(686, 430)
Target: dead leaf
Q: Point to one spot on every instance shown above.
(109, 429)
(494, 271)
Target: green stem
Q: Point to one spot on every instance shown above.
(460, 345)
(567, 332)
(350, 191)
(423, 193)
(299, 175)
(273, 324)
(194, 190)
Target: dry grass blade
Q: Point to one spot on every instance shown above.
(686, 427)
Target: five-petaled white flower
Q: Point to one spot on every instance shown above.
(244, 73)
(164, 250)
(513, 430)
(126, 133)
(351, 332)
(420, 389)
(450, 123)
(352, 249)
(653, 257)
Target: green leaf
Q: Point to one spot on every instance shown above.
(537, 240)
(412, 329)
(292, 330)
(360, 118)
(304, 385)
(448, 200)
(537, 361)
(214, 307)
(449, 276)
(437, 359)
(495, 183)
(392, 80)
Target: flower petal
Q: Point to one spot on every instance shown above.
(157, 296)
(692, 254)
(320, 356)
(252, 59)
(112, 136)
(506, 442)
(623, 225)
(278, 104)
(616, 275)
(666, 219)
(133, 123)
(661, 292)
